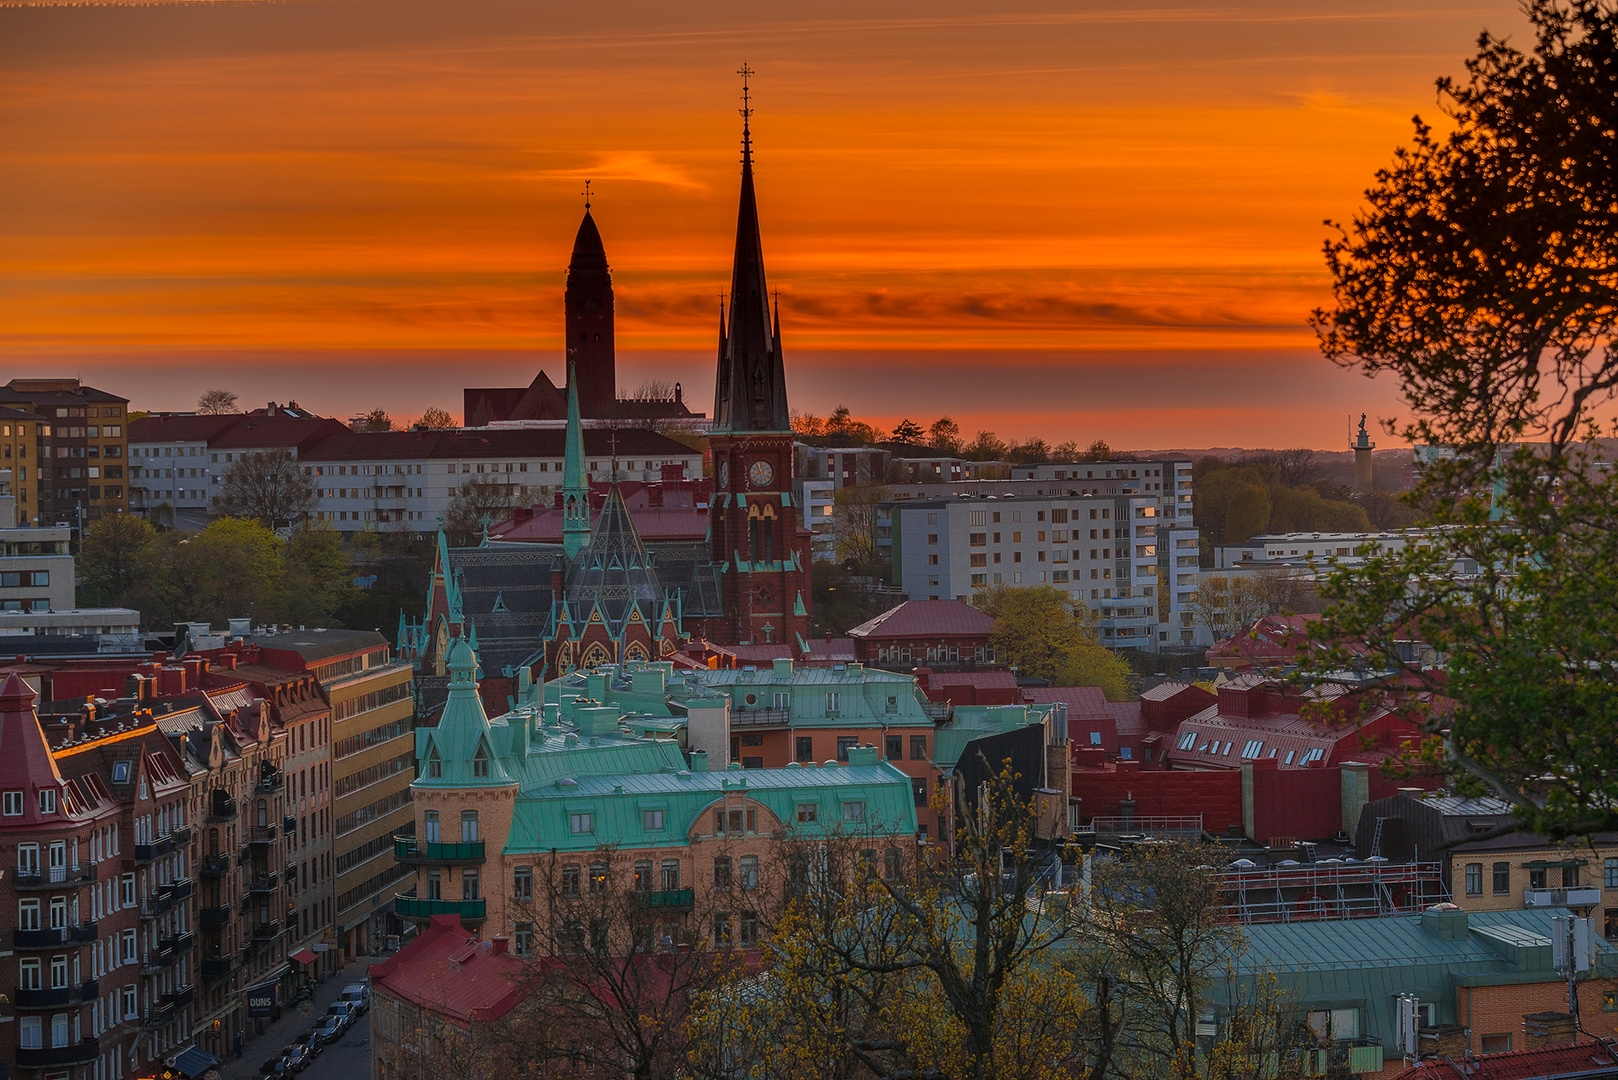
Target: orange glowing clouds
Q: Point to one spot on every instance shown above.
(368, 178)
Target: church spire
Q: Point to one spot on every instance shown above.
(575, 487)
(750, 391)
(588, 308)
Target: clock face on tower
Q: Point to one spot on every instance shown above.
(724, 474)
(760, 474)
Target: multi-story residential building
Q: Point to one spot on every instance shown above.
(364, 479)
(819, 501)
(80, 448)
(36, 571)
(372, 765)
(1325, 550)
(937, 633)
(1101, 550)
(1170, 480)
(505, 805)
(102, 948)
(1495, 873)
(19, 450)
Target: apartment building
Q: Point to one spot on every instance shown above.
(368, 479)
(80, 449)
(19, 456)
(1170, 480)
(36, 570)
(101, 954)
(506, 804)
(1102, 550)
(371, 696)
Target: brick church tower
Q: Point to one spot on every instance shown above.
(587, 305)
(754, 527)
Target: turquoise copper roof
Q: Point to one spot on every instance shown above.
(464, 746)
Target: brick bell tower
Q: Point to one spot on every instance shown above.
(753, 526)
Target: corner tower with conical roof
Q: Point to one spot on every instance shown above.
(753, 526)
(591, 354)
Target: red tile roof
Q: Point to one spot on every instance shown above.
(450, 972)
(1083, 702)
(926, 618)
(1580, 1060)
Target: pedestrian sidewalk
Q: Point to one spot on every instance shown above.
(295, 1020)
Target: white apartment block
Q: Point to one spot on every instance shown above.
(1170, 481)
(1105, 551)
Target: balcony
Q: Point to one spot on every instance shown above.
(263, 834)
(289, 825)
(267, 883)
(155, 906)
(156, 961)
(180, 942)
(223, 808)
(213, 917)
(157, 1017)
(58, 997)
(212, 866)
(55, 937)
(216, 967)
(266, 932)
(54, 877)
(410, 907)
(154, 850)
(180, 998)
(669, 899)
(1344, 1056)
(272, 781)
(1575, 897)
(406, 850)
(48, 1057)
(182, 835)
(177, 890)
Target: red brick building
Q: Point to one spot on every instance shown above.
(932, 632)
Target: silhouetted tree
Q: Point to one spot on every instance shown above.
(268, 486)
(213, 402)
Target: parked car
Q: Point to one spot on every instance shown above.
(273, 1069)
(359, 994)
(294, 1057)
(330, 1030)
(344, 1011)
(310, 1040)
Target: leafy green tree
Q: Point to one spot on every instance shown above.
(944, 436)
(908, 431)
(1030, 452)
(1097, 451)
(986, 446)
(1045, 633)
(1480, 276)
(116, 554)
(317, 577)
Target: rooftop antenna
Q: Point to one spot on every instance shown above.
(586, 194)
(747, 114)
(612, 442)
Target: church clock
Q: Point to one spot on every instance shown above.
(724, 474)
(761, 473)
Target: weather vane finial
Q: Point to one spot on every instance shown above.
(747, 114)
(586, 194)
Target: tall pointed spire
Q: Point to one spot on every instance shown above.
(575, 486)
(588, 307)
(750, 391)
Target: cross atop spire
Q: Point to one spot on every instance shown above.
(586, 194)
(747, 115)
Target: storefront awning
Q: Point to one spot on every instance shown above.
(195, 1062)
(303, 956)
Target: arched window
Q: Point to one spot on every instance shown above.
(469, 826)
(429, 826)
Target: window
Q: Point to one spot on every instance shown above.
(1095, 738)
(28, 860)
(129, 1002)
(570, 881)
(643, 875)
(670, 875)
(1496, 1044)
(854, 811)
(918, 748)
(651, 820)
(598, 879)
(749, 872)
(581, 823)
(47, 800)
(58, 972)
(129, 948)
(11, 804)
(805, 749)
(522, 883)
(1474, 879)
(831, 703)
(28, 1030)
(749, 928)
(721, 931)
(524, 936)
(480, 762)
(435, 765)
(845, 743)
(1502, 879)
(1189, 740)
(28, 974)
(1609, 874)
(722, 868)
(129, 890)
(918, 788)
(469, 826)
(1570, 877)
(430, 826)
(1253, 748)
(435, 885)
(808, 814)
(892, 704)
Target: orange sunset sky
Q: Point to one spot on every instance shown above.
(1079, 221)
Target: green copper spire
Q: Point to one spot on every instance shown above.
(575, 487)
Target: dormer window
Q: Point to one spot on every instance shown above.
(480, 762)
(435, 766)
(47, 800)
(120, 771)
(11, 803)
